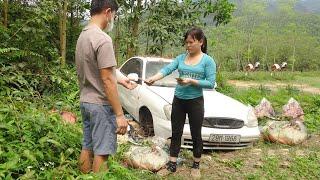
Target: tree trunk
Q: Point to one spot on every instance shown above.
(265, 53)
(5, 13)
(241, 65)
(293, 56)
(265, 58)
(60, 27)
(217, 46)
(77, 23)
(63, 32)
(148, 28)
(162, 47)
(248, 51)
(238, 61)
(132, 50)
(117, 41)
(72, 18)
(147, 46)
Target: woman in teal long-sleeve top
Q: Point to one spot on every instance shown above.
(197, 70)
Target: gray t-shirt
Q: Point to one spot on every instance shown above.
(94, 51)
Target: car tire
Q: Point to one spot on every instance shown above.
(146, 122)
(125, 111)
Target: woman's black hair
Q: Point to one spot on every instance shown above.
(197, 33)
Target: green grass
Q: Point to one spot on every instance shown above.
(311, 79)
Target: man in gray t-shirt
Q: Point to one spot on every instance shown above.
(101, 110)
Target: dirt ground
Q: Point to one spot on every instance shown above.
(274, 85)
(240, 164)
(262, 160)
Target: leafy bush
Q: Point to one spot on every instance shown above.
(34, 140)
(37, 79)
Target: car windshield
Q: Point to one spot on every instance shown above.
(155, 66)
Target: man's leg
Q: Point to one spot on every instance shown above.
(85, 161)
(100, 163)
(104, 137)
(86, 156)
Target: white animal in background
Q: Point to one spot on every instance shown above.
(277, 67)
(251, 67)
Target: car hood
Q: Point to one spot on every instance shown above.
(215, 103)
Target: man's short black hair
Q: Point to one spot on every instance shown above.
(97, 6)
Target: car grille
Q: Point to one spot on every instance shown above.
(187, 143)
(222, 123)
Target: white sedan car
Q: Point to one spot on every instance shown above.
(228, 124)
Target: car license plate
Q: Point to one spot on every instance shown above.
(227, 138)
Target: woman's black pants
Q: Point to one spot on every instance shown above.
(195, 110)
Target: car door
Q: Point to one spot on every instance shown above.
(130, 98)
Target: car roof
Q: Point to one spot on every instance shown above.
(152, 59)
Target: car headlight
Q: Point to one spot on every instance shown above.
(167, 111)
(252, 118)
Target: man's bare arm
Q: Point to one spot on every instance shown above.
(125, 81)
(110, 86)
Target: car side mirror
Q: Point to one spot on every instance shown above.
(133, 77)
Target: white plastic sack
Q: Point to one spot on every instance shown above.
(122, 139)
(158, 141)
(149, 158)
(293, 109)
(264, 109)
(285, 132)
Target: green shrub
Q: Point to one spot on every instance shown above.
(34, 140)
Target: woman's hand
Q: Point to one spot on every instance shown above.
(150, 81)
(187, 81)
(153, 79)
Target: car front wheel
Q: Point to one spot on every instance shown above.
(146, 122)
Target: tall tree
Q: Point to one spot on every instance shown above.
(164, 21)
(63, 9)
(169, 19)
(5, 13)
(117, 42)
(132, 48)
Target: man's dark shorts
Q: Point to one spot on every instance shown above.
(99, 128)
